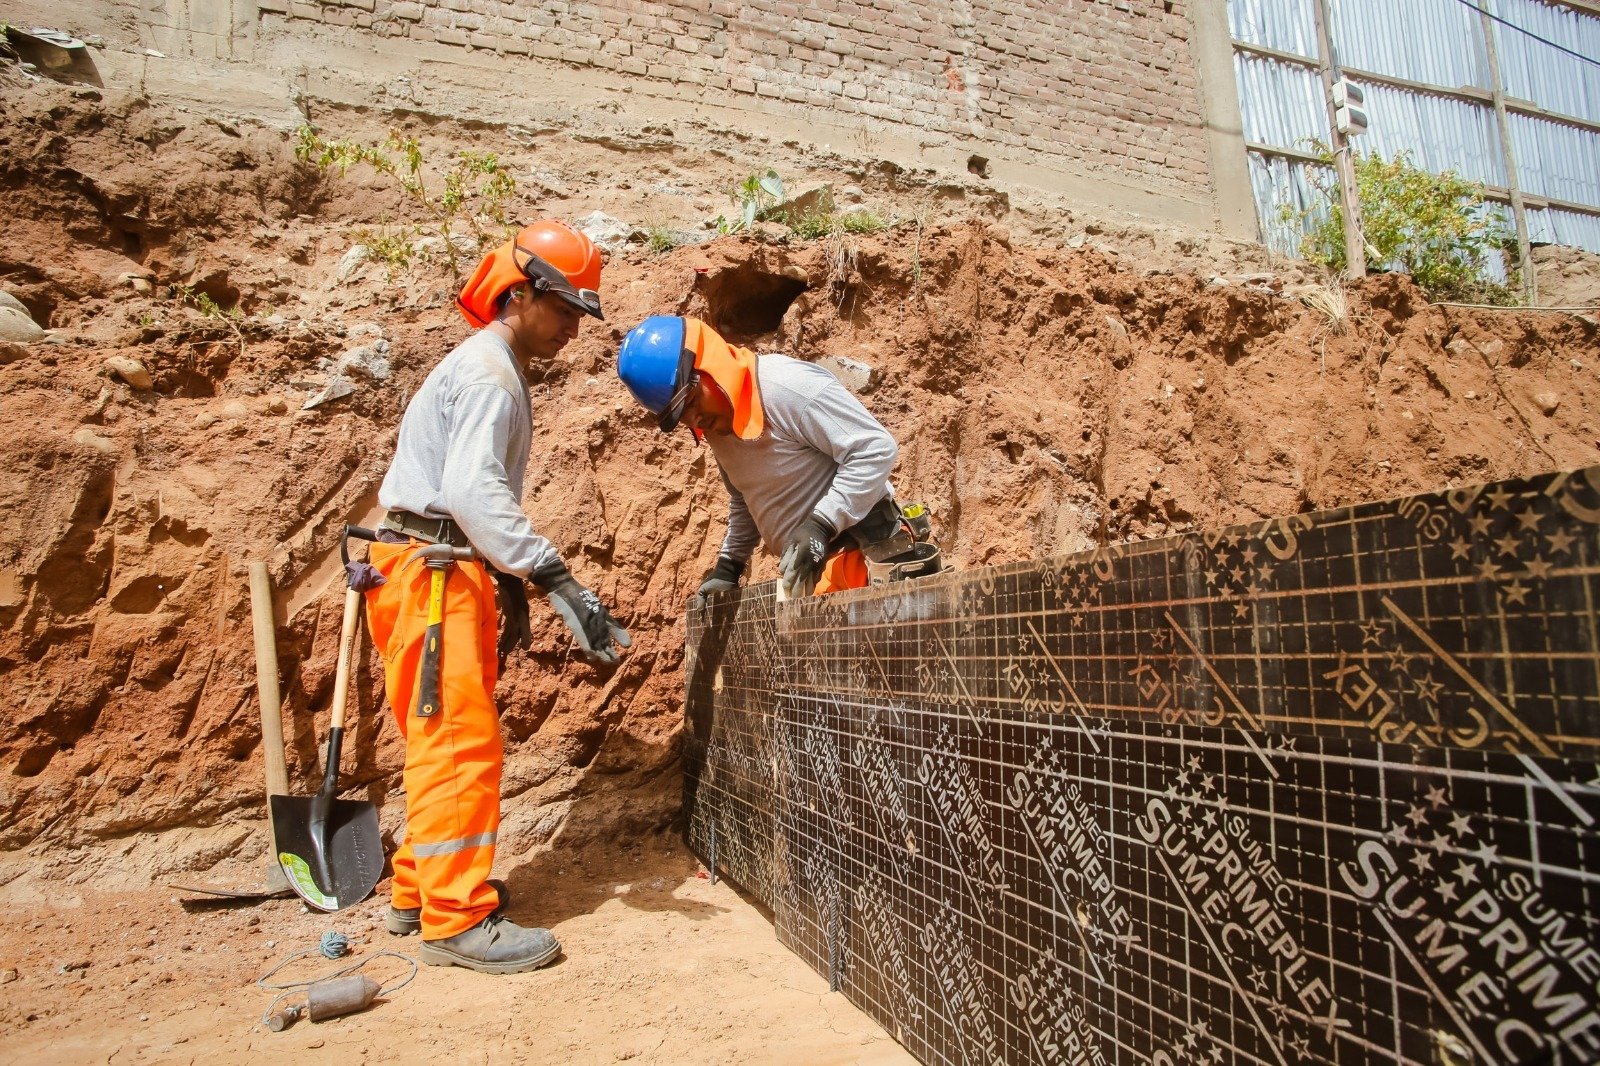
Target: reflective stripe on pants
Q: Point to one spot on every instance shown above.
(453, 759)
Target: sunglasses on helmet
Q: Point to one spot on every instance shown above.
(546, 278)
(679, 402)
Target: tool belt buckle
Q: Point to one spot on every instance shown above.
(905, 551)
(920, 560)
(430, 530)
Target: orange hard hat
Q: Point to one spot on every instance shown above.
(563, 259)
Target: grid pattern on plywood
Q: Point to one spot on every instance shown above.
(1322, 789)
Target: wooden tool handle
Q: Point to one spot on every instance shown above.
(267, 679)
(347, 636)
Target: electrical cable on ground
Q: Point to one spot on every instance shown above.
(292, 987)
(1521, 29)
(334, 945)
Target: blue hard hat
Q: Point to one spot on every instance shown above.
(652, 361)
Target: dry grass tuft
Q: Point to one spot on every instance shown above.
(1329, 301)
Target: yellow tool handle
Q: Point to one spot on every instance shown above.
(428, 683)
(436, 599)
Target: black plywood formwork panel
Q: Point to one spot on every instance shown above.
(1322, 789)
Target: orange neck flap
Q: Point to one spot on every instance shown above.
(497, 273)
(734, 371)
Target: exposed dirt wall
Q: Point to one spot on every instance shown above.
(1046, 400)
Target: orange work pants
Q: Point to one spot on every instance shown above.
(453, 758)
(845, 570)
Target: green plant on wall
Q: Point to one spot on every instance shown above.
(754, 196)
(473, 189)
(230, 317)
(1433, 226)
(393, 246)
(203, 303)
(661, 238)
(828, 223)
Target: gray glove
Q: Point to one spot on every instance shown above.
(803, 555)
(515, 631)
(724, 577)
(592, 625)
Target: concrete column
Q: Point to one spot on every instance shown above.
(1211, 45)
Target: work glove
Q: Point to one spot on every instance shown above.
(515, 629)
(592, 625)
(724, 577)
(803, 555)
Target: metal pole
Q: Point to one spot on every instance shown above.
(1355, 245)
(1519, 211)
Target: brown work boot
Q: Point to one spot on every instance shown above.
(494, 945)
(409, 920)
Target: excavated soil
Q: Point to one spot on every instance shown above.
(1050, 390)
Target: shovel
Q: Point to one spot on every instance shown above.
(329, 848)
(274, 886)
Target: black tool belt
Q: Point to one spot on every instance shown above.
(883, 533)
(896, 542)
(432, 530)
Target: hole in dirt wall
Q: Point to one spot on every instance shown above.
(745, 305)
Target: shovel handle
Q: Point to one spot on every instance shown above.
(347, 634)
(359, 534)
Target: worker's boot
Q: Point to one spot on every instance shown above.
(408, 921)
(494, 945)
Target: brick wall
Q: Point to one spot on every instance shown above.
(1104, 86)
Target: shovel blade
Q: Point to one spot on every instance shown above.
(351, 862)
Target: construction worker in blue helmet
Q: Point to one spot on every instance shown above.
(806, 466)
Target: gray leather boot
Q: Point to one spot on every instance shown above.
(494, 945)
(408, 921)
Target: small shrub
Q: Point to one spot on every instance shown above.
(811, 226)
(475, 187)
(203, 303)
(863, 222)
(660, 239)
(1434, 226)
(755, 195)
(826, 224)
(230, 317)
(395, 248)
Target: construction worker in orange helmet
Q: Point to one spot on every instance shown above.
(456, 479)
(806, 466)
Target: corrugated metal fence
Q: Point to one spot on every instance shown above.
(1424, 67)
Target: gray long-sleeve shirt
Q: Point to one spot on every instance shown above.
(821, 451)
(462, 451)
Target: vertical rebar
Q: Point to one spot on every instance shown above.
(1519, 210)
(711, 862)
(833, 954)
(1355, 244)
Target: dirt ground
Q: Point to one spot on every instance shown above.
(658, 965)
(1054, 383)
